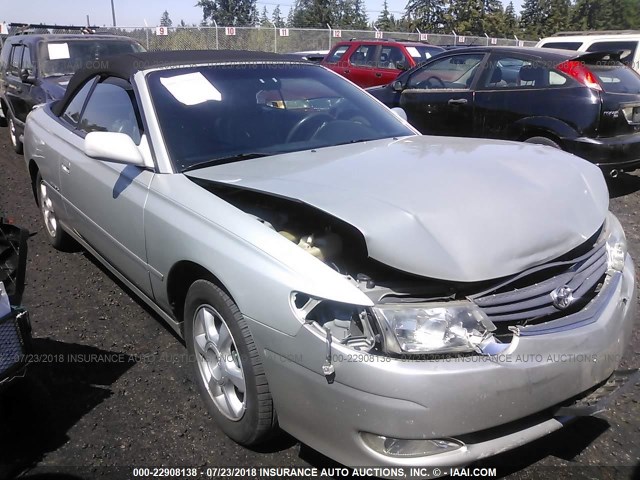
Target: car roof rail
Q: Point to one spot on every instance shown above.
(41, 28)
(596, 32)
(375, 40)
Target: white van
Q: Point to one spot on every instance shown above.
(625, 41)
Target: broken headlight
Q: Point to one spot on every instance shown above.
(445, 327)
(616, 243)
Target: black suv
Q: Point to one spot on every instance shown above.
(36, 68)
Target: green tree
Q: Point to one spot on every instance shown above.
(466, 17)
(276, 17)
(350, 14)
(494, 20)
(229, 12)
(533, 17)
(557, 17)
(314, 13)
(427, 15)
(510, 20)
(264, 18)
(606, 14)
(165, 21)
(290, 17)
(384, 21)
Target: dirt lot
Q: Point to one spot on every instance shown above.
(132, 401)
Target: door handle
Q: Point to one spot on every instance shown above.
(378, 75)
(66, 168)
(457, 101)
(347, 71)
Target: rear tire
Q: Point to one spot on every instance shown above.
(543, 141)
(58, 238)
(227, 365)
(13, 135)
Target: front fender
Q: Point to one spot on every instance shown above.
(259, 267)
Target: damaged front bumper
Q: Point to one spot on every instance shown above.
(473, 406)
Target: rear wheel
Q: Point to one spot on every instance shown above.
(228, 368)
(13, 135)
(56, 235)
(543, 141)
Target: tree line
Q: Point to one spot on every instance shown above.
(538, 18)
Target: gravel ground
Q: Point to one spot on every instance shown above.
(140, 407)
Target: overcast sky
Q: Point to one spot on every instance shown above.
(135, 12)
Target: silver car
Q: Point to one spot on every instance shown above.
(387, 298)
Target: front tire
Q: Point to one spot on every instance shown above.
(58, 238)
(227, 365)
(13, 135)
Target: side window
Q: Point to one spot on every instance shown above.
(364, 56)
(337, 54)
(532, 75)
(562, 45)
(16, 58)
(503, 73)
(455, 72)
(72, 113)
(5, 56)
(110, 108)
(26, 60)
(516, 73)
(390, 57)
(627, 49)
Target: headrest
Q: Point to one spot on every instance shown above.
(496, 76)
(531, 74)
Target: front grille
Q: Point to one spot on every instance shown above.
(12, 347)
(527, 298)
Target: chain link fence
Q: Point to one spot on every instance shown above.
(271, 39)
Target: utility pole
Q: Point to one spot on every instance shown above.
(113, 13)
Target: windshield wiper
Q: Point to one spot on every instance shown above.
(359, 140)
(229, 159)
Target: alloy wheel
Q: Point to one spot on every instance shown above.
(46, 205)
(219, 362)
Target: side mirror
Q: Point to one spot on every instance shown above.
(27, 77)
(401, 66)
(397, 86)
(114, 147)
(400, 113)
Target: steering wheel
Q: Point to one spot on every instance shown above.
(312, 122)
(437, 79)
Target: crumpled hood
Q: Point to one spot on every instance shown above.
(448, 208)
(54, 87)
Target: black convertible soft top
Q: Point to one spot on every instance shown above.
(128, 64)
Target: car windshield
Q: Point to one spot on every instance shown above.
(616, 78)
(216, 114)
(66, 56)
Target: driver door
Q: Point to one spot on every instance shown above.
(438, 98)
(105, 200)
(18, 93)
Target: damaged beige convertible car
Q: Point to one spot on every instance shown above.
(388, 298)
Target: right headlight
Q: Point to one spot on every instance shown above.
(444, 327)
(616, 243)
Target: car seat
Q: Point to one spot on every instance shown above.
(532, 76)
(496, 77)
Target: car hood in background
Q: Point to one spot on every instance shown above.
(448, 208)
